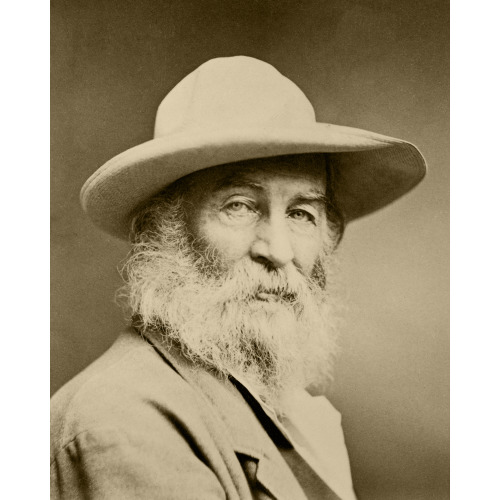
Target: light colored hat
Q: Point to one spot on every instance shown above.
(240, 108)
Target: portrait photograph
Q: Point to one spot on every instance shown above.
(249, 249)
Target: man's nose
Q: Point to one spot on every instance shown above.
(272, 245)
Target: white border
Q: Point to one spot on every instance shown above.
(475, 250)
(24, 369)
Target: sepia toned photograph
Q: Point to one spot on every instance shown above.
(250, 250)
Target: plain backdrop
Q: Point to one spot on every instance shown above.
(382, 65)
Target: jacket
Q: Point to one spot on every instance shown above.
(142, 422)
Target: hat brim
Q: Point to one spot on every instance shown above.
(373, 170)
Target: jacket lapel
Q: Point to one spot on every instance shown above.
(250, 431)
(256, 438)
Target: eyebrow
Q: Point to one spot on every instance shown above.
(237, 179)
(314, 196)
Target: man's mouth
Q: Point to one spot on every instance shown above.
(275, 295)
(267, 297)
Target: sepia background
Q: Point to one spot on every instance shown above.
(382, 65)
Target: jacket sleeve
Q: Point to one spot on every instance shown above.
(112, 463)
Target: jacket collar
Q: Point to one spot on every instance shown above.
(234, 414)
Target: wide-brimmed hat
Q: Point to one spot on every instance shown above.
(240, 108)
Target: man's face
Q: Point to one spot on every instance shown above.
(233, 265)
(271, 211)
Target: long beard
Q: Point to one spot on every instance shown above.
(274, 330)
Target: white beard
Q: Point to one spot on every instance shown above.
(214, 313)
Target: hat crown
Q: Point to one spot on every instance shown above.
(233, 92)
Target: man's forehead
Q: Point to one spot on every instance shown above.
(306, 170)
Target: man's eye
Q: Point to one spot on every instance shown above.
(238, 210)
(237, 207)
(301, 216)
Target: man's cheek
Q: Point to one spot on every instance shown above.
(307, 252)
(231, 243)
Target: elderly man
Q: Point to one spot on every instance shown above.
(234, 211)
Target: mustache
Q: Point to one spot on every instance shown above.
(249, 280)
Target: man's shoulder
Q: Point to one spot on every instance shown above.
(127, 388)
